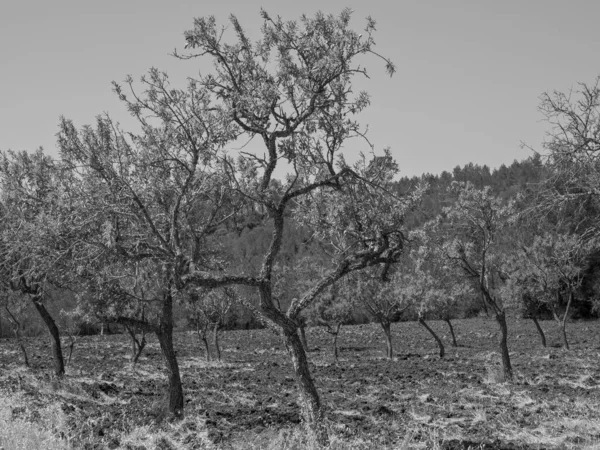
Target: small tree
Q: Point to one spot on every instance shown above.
(470, 232)
(36, 235)
(212, 309)
(383, 302)
(332, 309)
(549, 271)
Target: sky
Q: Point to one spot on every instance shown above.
(467, 88)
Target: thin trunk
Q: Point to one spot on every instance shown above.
(140, 348)
(539, 329)
(335, 333)
(563, 325)
(506, 366)
(216, 341)
(302, 331)
(59, 364)
(165, 339)
(137, 346)
(454, 344)
(312, 409)
(385, 324)
(201, 332)
(71, 347)
(435, 336)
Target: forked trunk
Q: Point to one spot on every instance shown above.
(59, 364)
(454, 344)
(216, 341)
(539, 329)
(312, 410)
(435, 336)
(506, 366)
(386, 325)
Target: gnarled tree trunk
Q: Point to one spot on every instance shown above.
(312, 409)
(59, 363)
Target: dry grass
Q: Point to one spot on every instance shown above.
(28, 433)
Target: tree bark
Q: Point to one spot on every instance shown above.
(312, 408)
(385, 324)
(164, 333)
(59, 364)
(454, 344)
(302, 331)
(540, 331)
(335, 333)
(506, 366)
(435, 336)
(216, 341)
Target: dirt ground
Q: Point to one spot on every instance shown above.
(458, 401)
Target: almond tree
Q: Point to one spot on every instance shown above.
(442, 289)
(551, 270)
(292, 91)
(211, 308)
(572, 149)
(470, 230)
(382, 301)
(150, 201)
(37, 234)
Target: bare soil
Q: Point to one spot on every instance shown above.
(457, 402)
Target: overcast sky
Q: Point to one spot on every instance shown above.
(469, 72)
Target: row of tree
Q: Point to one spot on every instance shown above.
(136, 222)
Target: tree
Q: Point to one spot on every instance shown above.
(292, 89)
(383, 302)
(551, 270)
(212, 308)
(151, 202)
(470, 230)
(437, 287)
(332, 309)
